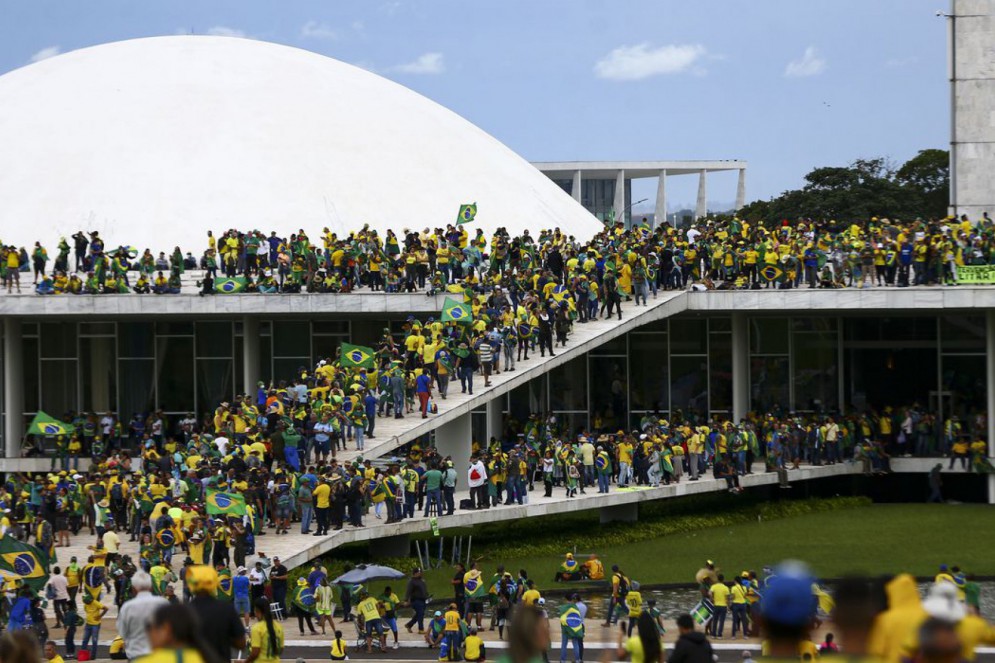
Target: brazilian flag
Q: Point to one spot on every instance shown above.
(48, 426)
(474, 586)
(771, 273)
(229, 286)
(25, 560)
(225, 504)
(453, 311)
(224, 585)
(357, 356)
(303, 598)
(93, 579)
(165, 538)
(466, 214)
(571, 622)
(524, 331)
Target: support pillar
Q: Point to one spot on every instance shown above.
(619, 206)
(620, 513)
(454, 439)
(740, 367)
(990, 379)
(250, 354)
(495, 418)
(741, 190)
(575, 189)
(398, 545)
(701, 209)
(660, 213)
(13, 387)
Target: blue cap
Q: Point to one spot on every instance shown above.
(788, 597)
(943, 567)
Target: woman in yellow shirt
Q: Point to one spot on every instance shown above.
(175, 638)
(266, 637)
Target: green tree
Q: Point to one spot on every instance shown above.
(928, 173)
(865, 188)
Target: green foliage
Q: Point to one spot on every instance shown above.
(865, 188)
(519, 539)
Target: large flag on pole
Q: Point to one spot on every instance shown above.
(46, 425)
(466, 214)
(24, 560)
(225, 504)
(454, 311)
(357, 356)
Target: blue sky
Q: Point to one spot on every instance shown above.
(785, 84)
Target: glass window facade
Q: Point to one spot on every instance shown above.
(795, 363)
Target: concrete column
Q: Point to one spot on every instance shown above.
(454, 439)
(620, 513)
(250, 354)
(619, 206)
(740, 367)
(660, 214)
(990, 373)
(741, 190)
(575, 189)
(495, 419)
(13, 386)
(701, 209)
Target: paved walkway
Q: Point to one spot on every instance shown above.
(391, 433)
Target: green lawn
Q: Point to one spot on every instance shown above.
(874, 540)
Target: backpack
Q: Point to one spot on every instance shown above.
(283, 501)
(116, 493)
(623, 585)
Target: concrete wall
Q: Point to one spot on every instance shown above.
(972, 72)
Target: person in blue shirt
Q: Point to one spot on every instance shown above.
(904, 263)
(240, 593)
(423, 387)
(370, 401)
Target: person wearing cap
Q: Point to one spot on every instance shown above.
(787, 613)
(240, 593)
(436, 630)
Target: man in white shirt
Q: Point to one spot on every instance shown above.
(477, 480)
(136, 613)
(60, 585)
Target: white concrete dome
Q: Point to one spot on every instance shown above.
(154, 141)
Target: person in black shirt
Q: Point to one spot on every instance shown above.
(278, 583)
(219, 623)
(416, 595)
(459, 593)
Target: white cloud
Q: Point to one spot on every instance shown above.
(46, 53)
(316, 30)
(633, 63)
(427, 63)
(358, 26)
(809, 64)
(225, 31)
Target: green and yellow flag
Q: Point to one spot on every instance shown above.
(48, 426)
(454, 311)
(771, 273)
(24, 560)
(466, 213)
(229, 286)
(225, 504)
(357, 356)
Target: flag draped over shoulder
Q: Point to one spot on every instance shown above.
(572, 623)
(46, 425)
(94, 576)
(228, 286)
(466, 213)
(25, 561)
(224, 585)
(454, 311)
(357, 356)
(225, 504)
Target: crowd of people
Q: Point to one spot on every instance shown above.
(882, 619)
(728, 251)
